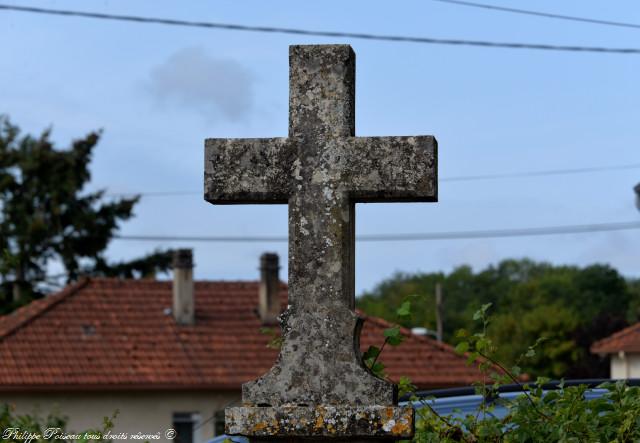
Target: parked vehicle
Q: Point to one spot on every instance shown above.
(234, 439)
(460, 402)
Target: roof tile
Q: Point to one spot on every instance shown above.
(627, 340)
(116, 334)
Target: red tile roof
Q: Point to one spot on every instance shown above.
(627, 340)
(120, 334)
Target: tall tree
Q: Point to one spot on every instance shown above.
(570, 307)
(46, 217)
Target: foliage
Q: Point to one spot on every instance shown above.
(564, 415)
(31, 428)
(46, 217)
(392, 337)
(144, 267)
(275, 340)
(536, 416)
(571, 307)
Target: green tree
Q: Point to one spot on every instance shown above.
(46, 217)
(571, 307)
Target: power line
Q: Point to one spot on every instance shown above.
(461, 178)
(542, 173)
(447, 235)
(277, 30)
(154, 193)
(540, 13)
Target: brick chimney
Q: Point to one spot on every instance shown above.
(269, 298)
(183, 303)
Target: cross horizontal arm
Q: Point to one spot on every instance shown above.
(392, 169)
(247, 170)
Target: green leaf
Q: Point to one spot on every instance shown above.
(404, 310)
(480, 313)
(483, 344)
(472, 357)
(267, 331)
(377, 369)
(462, 347)
(405, 386)
(372, 353)
(393, 336)
(393, 331)
(530, 353)
(275, 343)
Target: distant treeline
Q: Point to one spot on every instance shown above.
(570, 307)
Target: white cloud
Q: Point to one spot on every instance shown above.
(216, 88)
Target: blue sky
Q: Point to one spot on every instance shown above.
(158, 91)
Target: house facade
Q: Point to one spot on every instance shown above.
(623, 348)
(170, 355)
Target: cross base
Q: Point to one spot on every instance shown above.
(324, 439)
(321, 439)
(321, 422)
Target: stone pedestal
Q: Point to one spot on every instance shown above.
(321, 422)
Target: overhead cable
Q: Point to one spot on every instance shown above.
(541, 14)
(333, 34)
(460, 178)
(447, 235)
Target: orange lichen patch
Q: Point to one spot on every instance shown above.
(401, 428)
(259, 426)
(319, 422)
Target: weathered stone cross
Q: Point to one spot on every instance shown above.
(321, 170)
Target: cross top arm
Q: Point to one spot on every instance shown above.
(367, 169)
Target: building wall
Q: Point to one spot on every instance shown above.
(139, 412)
(625, 365)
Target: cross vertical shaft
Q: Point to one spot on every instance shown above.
(320, 366)
(321, 215)
(322, 92)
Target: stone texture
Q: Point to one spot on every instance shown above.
(321, 421)
(321, 170)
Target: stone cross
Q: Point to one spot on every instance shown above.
(321, 170)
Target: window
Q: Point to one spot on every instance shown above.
(218, 423)
(184, 423)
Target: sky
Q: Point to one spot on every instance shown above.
(158, 91)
